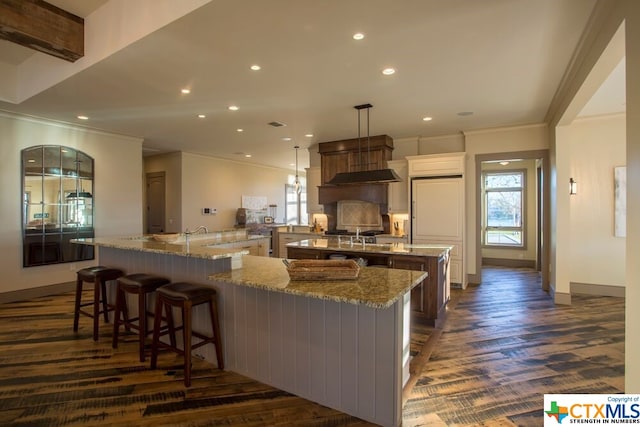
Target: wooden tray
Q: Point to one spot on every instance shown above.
(311, 269)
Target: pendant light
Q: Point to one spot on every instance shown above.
(296, 184)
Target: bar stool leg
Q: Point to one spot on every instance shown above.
(105, 308)
(76, 314)
(116, 320)
(157, 318)
(213, 309)
(170, 325)
(96, 309)
(186, 338)
(142, 322)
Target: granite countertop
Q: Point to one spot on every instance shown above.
(331, 244)
(374, 287)
(200, 246)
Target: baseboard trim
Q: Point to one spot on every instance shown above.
(473, 279)
(559, 297)
(504, 262)
(40, 291)
(594, 289)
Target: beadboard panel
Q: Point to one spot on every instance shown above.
(347, 357)
(339, 355)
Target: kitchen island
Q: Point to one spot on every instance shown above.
(343, 344)
(428, 299)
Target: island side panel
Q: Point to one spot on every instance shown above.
(345, 356)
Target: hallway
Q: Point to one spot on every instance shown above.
(505, 344)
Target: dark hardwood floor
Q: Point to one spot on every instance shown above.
(503, 346)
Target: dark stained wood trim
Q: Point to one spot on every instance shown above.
(44, 27)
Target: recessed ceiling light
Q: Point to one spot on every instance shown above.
(83, 117)
(185, 91)
(201, 116)
(233, 107)
(239, 130)
(358, 36)
(255, 67)
(427, 119)
(292, 164)
(247, 155)
(465, 113)
(388, 71)
(286, 138)
(309, 135)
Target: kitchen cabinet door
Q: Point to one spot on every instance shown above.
(399, 191)
(333, 163)
(313, 181)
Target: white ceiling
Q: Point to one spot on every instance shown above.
(500, 59)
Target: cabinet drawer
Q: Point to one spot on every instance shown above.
(436, 165)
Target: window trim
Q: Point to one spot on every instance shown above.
(523, 227)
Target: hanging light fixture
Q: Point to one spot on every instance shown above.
(296, 184)
(365, 176)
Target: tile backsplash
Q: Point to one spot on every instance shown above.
(354, 213)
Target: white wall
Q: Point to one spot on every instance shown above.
(202, 181)
(597, 145)
(117, 192)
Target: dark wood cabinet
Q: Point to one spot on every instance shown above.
(428, 299)
(351, 155)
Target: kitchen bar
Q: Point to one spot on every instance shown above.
(428, 299)
(343, 344)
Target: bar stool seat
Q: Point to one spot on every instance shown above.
(140, 284)
(185, 296)
(99, 276)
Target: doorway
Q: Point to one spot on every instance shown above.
(538, 212)
(155, 202)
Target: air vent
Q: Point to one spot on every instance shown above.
(277, 124)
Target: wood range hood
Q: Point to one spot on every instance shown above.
(348, 159)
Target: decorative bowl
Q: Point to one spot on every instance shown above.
(166, 237)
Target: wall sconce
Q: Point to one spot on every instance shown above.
(573, 187)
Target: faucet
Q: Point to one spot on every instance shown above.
(187, 233)
(202, 227)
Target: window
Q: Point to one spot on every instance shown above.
(296, 205)
(503, 218)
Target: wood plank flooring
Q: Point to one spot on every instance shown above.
(504, 344)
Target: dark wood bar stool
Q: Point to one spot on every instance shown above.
(185, 296)
(99, 276)
(140, 284)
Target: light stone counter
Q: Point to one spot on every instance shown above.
(374, 287)
(198, 247)
(343, 344)
(344, 245)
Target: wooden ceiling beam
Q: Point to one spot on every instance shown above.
(44, 27)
